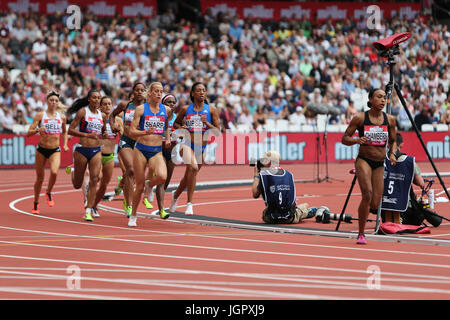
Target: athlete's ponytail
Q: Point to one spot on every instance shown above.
(79, 103)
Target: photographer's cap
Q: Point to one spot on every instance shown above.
(272, 156)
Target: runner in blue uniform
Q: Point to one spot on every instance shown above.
(148, 128)
(126, 143)
(170, 101)
(200, 119)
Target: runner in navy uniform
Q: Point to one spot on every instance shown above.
(376, 129)
(89, 126)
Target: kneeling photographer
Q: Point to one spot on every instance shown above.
(277, 188)
(416, 211)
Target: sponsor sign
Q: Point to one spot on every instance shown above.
(18, 151)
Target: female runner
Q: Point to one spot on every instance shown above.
(126, 143)
(200, 119)
(148, 127)
(108, 148)
(169, 101)
(88, 124)
(50, 124)
(375, 130)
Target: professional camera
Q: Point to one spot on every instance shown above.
(384, 45)
(323, 215)
(257, 163)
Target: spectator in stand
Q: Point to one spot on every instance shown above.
(227, 116)
(298, 53)
(6, 119)
(39, 50)
(20, 118)
(350, 112)
(259, 118)
(423, 117)
(297, 117)
(245, 118)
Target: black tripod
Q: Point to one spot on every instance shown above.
(327, 177)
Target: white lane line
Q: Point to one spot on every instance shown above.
(235, 291)
(192, 258)
(259, 252)
(13, 203)
(341, 285)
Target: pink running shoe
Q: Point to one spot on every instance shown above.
(361, 239)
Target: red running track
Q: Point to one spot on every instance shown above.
(57, 255)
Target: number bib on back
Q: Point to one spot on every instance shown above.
(397, 183)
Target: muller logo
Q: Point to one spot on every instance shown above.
(137, 8)
(13, 151)
(23, 6)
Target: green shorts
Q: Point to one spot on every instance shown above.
(106, 157)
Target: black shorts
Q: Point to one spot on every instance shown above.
(126, 142)
(372, 163)
(47, 152)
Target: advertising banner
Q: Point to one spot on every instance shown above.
(266, 10)
(18, 151)
(322, 11)
(110, 8)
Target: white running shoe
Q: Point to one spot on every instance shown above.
(132, 221)
(95, 213)
(189, 209)
(173, 205)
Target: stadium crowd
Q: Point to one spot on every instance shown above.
(254, 70)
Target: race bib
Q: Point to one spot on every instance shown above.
(109, 132)
(129, 115)
(377, 135)
(94, 125)
(52, 126)
(155, 122)
(194, 123)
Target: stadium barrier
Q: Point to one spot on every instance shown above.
(18, 151)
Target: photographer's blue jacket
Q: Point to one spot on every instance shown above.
(278, 193)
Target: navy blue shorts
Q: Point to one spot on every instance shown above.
(148, 151)
(88, 152)
(167, 154)
(198, 150)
